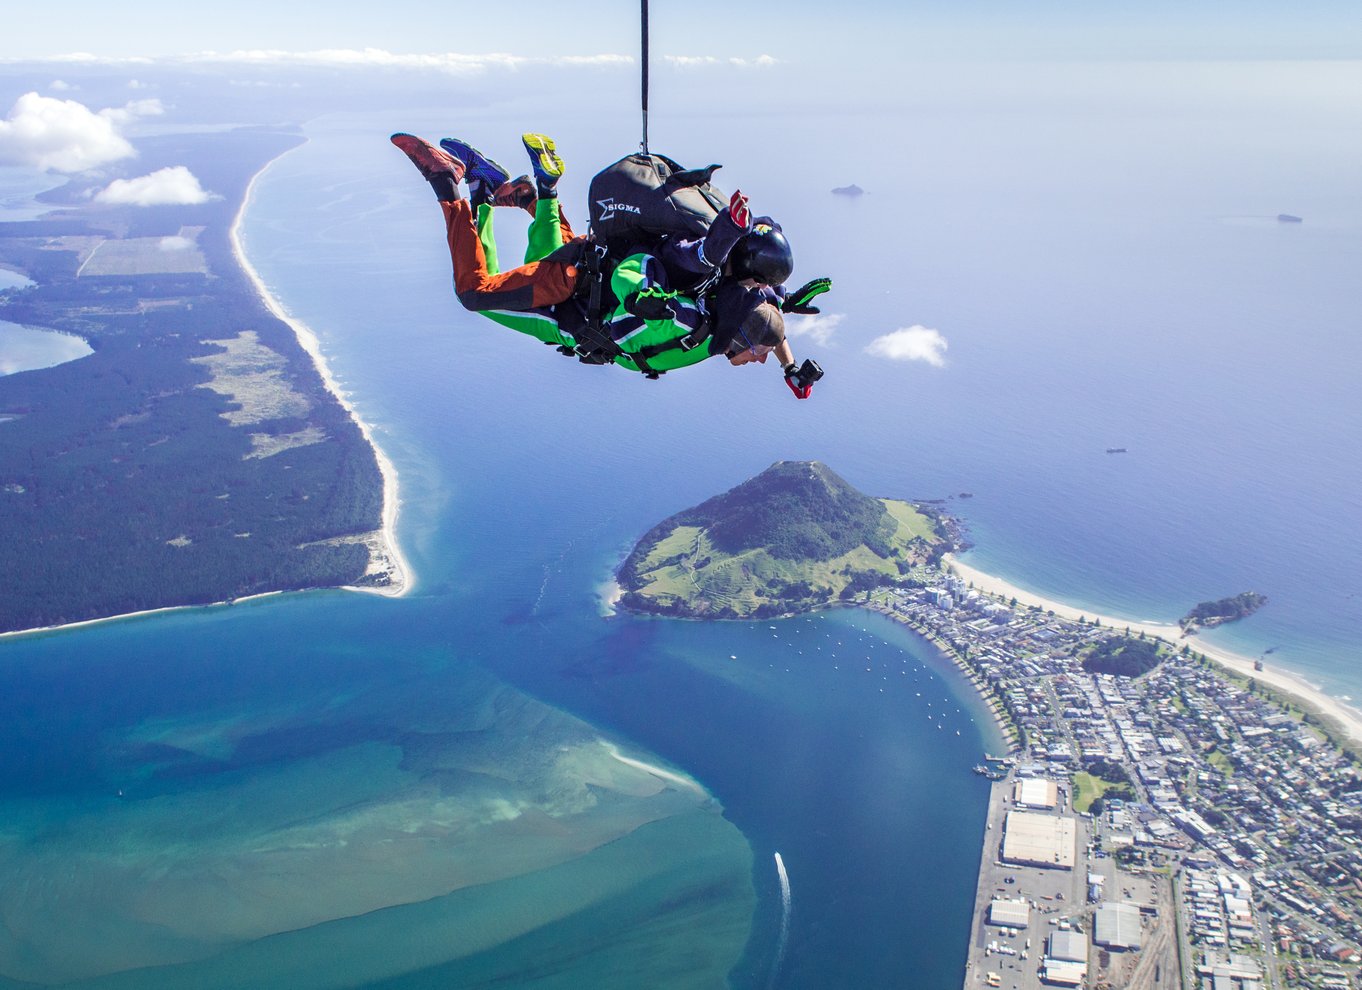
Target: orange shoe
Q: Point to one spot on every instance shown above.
(519, 192)
(430, 161)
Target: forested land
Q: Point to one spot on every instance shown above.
(124, 484)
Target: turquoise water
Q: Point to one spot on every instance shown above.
(284, 787)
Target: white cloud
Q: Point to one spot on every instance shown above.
(705, 61)
(690, 61)
(176, 243)
(86, 58)
(136, 84)
(818, 327)
(450, 62)
(131, 111)
(61, 86)
(915, 343)
(175, 186)
(60, 135)
(454, 63)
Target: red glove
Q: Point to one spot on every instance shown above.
(800, 388)
(737, 209)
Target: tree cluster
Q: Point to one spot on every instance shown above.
(1122, 656)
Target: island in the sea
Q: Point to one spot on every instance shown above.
(794, 538)
(197, 455)
(852, 190)
(1207, 615)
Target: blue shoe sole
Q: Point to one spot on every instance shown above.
(480, 167)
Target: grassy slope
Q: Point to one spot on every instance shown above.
(684, 567)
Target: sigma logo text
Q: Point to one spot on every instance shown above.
(609, 208)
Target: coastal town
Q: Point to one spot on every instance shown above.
(1188, 827)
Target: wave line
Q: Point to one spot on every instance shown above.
(784, 878)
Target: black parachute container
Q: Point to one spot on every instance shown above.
(644, 197)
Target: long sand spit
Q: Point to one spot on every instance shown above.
(1347, 719)
(400, 575)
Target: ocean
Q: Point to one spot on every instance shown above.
(1093, 295)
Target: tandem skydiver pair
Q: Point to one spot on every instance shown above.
(670, 275)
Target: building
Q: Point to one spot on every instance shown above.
(1040, 840)
(1009, 913)
(1036, 793)
(1235, 972)
(1065, 974)
(1117, 926)
(1068, 947)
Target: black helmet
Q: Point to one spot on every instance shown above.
(764, 255)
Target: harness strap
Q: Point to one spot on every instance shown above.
(641, 363)
(594, 345)
(689, 342)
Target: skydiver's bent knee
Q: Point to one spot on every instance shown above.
(543, 283)
(481, 300)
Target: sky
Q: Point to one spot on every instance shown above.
(806, 31)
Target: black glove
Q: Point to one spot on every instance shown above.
(650, 304)
(801, 378)
(798, 301)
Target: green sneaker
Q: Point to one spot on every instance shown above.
(548, 167)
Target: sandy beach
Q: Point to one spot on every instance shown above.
(387, 553)
(1348, 719)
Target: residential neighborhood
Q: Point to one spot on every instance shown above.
(1184, 827)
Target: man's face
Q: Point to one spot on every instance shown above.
(753, 355)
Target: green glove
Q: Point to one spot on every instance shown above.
(798, 301)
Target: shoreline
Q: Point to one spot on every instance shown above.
(389, 551)
(401, 577)
(1007, 733)
(79, 623)
(1295, 687)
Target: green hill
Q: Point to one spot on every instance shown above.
(795, 537)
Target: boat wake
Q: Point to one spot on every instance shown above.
(784, 921)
